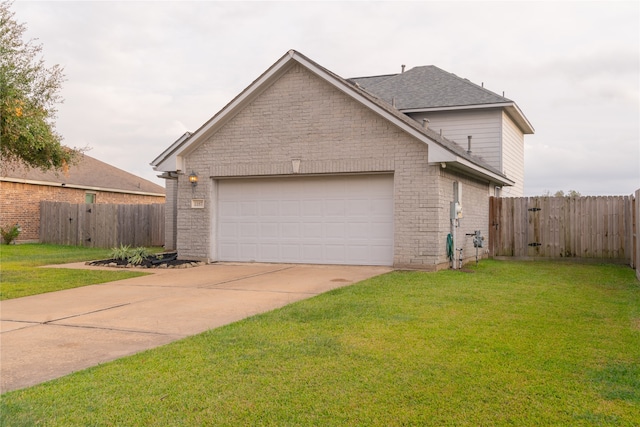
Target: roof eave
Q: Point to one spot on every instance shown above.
(463, 165)
(237, 104)
(436, 150)
(163, 162)
(80, 187)
(510, 107)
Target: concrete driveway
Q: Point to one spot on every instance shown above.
(47, 336)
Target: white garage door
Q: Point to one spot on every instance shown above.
(315, 220)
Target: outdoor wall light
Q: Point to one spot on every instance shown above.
(193, 179)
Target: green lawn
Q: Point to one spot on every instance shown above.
(20, 275)
(511, 344)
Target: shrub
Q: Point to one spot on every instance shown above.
(122, 252)
(133, 256)
(137, 255)
(10, 234)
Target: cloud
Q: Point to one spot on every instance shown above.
(141, 73)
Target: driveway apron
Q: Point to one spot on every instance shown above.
(43, 337)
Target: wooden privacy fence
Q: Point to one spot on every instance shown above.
(599, 227)
(102, 225)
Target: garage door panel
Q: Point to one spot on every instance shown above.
(312, 230)
(290, 208)
(269, 252)
(228, 208)
(359, 230)
(311, 253)
(335, 230)
(269, 230)
(248, 208)
(359, 253)
(358, 207)
(289, 251)
(248, 251)
(230, 249)
(229, 230)
(381, 253)
(337, 220)
(382, 207)
(335, 254)
(269, 208)
(311, 208)
(290, 230)
(335, 207)
(249, 230)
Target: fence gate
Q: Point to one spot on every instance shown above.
(560, 227)
(101, 225)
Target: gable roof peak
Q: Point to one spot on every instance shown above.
(440, 149)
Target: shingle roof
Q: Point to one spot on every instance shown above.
(88, 172)
(427, 87)
(434, 136)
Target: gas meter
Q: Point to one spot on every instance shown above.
(478, 239)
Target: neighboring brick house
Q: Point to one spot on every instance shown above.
(304, 166)
(88, 181)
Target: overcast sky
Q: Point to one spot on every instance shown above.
(140, 74)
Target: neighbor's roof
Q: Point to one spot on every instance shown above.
(89, 174)
(429, 88)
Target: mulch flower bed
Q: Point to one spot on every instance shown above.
(164, 260)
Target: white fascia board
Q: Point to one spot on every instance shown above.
(518, 116)
(79, 187)
(166, 162)
(511, 107)
(456, 107)
(436, 151)
(237, 103)
(472, 168)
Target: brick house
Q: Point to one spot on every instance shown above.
(88, 181)
(304, 166)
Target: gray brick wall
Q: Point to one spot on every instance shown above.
(302, 117)
(170, 230)
(475, 210)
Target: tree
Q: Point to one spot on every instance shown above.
(561, 193)
(28, 98)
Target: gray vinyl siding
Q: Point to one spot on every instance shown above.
(513, 160)
(483, 125)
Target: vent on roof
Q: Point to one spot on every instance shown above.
(403, 67)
